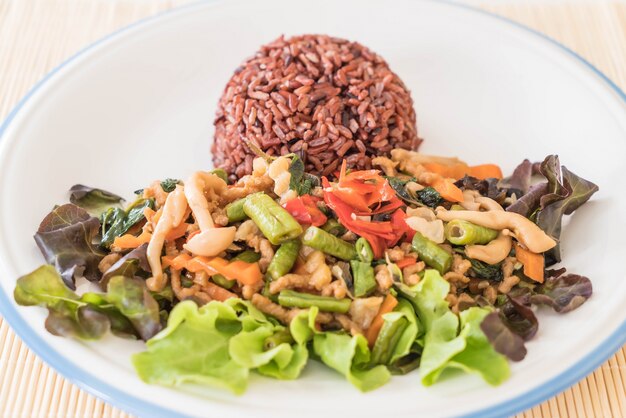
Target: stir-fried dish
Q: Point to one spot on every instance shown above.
(421, 262)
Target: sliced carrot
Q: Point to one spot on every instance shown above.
(244, 273)
(446, 188)
(485, 171)
(128, 241)
(387, 306)
(534, 264)
(455, 171)
(177, 232)
(200, 263)
(179, 262)
(406, 261)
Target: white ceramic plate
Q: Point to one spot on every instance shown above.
(117, 114)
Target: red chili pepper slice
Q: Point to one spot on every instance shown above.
(304, 209)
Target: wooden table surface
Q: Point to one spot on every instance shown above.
(37, 35)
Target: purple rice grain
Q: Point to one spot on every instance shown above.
(325, 98)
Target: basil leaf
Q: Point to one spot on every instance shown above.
(94, 201)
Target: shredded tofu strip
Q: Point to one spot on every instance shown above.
(526, 232)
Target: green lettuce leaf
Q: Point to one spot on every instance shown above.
(68, 315)
(94, 201)
(222, 342)
(65, 238)
(194, 348)
(281, 362)
(348, 355)
(127, 308)
(131, 298)
(444, 346)
(404, 346)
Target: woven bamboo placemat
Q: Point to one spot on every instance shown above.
(36, 35)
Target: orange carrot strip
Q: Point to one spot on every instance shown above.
(128, 241)
(533, 263)
(177, 232)
(388, 305)
(244, 273)
(179, 262)
(200, 263)
(455, 171)
(485, 171)
(448, 190)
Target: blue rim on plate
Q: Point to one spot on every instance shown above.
(139, 407)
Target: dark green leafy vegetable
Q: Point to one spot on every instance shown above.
(563, 293)
(94, 201)
(301, 181)
(429, 197)
(65, 238)
(486, 271)
(127, 301)
(116, 222)
(425, 197)
(128, 265)
(168, 185)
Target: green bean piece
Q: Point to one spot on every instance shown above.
(284, 259)
(460, 232)
(432, 254)
(291, 299)
(456, 207)
(364, 250)
(363, 276)
(387, 339)
(247, 256)
(266, 292)
(222, 281)
(281, 337)
(330, 244)
(235, 212)
(276, 224)
(221, 173)
(332, 226)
